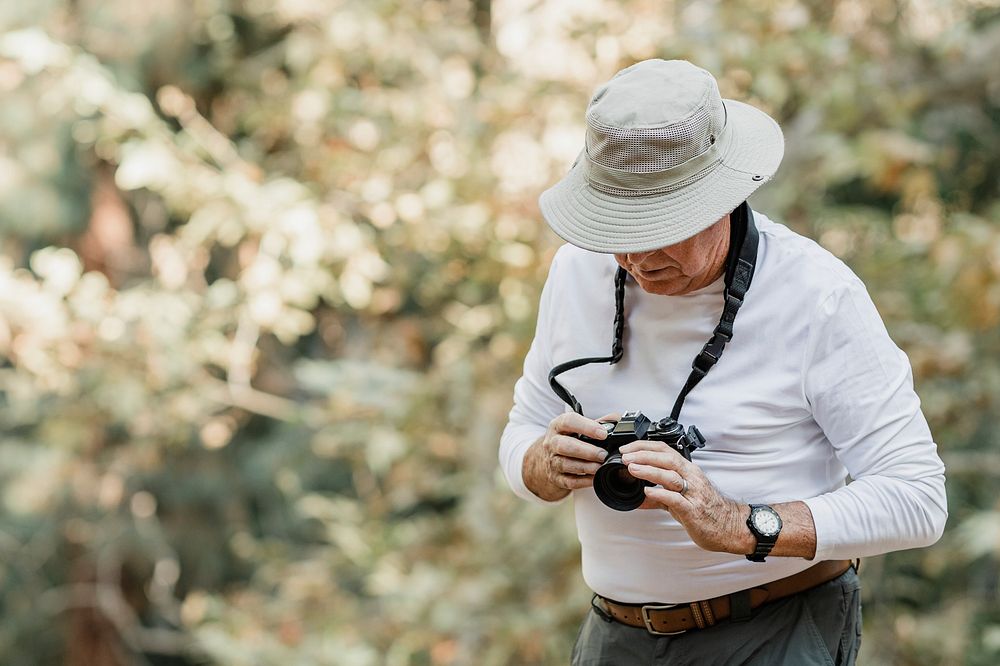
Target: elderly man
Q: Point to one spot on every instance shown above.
(741, 549)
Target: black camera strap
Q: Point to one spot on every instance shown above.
(617, 347)
(740, 263)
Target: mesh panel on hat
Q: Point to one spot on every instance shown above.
(652, 149)
(619, 192)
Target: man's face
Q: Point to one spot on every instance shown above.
(681, 268)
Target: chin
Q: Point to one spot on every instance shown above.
(664, 288)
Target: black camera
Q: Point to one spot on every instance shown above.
(613, 484)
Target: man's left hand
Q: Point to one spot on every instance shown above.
(712, 520)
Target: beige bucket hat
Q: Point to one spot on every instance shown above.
(665, 158)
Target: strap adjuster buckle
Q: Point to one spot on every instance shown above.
(648, 621)
(704, 361)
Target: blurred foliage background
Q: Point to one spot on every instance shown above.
(269, 268)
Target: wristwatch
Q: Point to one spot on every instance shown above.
(765, 523)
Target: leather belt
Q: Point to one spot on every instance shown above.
(669, 619)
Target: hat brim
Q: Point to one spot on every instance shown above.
(601, 222)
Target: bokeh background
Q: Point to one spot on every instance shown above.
(269, 268)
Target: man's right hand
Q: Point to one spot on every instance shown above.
(558, 463)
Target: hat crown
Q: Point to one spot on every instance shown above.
(653, 116)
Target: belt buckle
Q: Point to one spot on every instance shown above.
(644, 612)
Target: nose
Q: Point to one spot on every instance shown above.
(647, 260)
(638, 257)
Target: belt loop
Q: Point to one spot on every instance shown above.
(603, 614)
(739, 606)
(857, 565)
(709, 615)
(699, 619)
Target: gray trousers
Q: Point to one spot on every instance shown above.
(818, 627)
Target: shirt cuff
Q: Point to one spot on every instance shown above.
(825, 521)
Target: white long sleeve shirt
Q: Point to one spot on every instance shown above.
(810, 390)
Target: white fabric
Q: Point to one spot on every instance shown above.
(810, 390)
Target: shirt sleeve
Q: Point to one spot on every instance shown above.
(535, 403)
(860, 388)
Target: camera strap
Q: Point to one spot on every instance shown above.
(740, 263)
(617, 347)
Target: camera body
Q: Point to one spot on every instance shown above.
(614, 486)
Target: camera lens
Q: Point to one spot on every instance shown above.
(617, 488)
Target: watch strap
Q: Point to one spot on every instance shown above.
(764, 543)
(762, 550)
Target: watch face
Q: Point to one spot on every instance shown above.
(766, 522)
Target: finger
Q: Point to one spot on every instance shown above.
(613, 416)
(673, 502)
(650, 503)
(571, 422)
(566, 465)
(573, 448)
(649, 445)
(574, 482)
(662, 459)
(671, 480)
(667, 478)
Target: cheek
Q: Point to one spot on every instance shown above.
(682, 260)
(691, 258)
